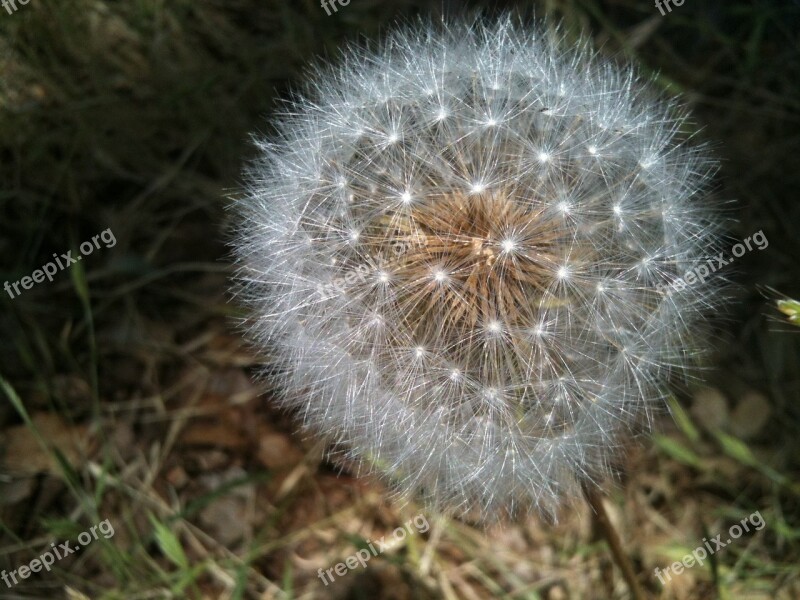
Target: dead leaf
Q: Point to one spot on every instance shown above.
(23, 453)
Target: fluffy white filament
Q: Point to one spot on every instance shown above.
(459, 251)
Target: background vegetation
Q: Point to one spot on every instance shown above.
(127, 393)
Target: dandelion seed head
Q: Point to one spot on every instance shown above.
(498, 316)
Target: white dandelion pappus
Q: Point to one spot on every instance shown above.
(541, 196)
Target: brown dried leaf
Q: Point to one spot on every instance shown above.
(22, 452)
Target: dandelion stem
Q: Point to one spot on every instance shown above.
(600, 516)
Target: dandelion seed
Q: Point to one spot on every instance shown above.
(439, 276)
(508, 246)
